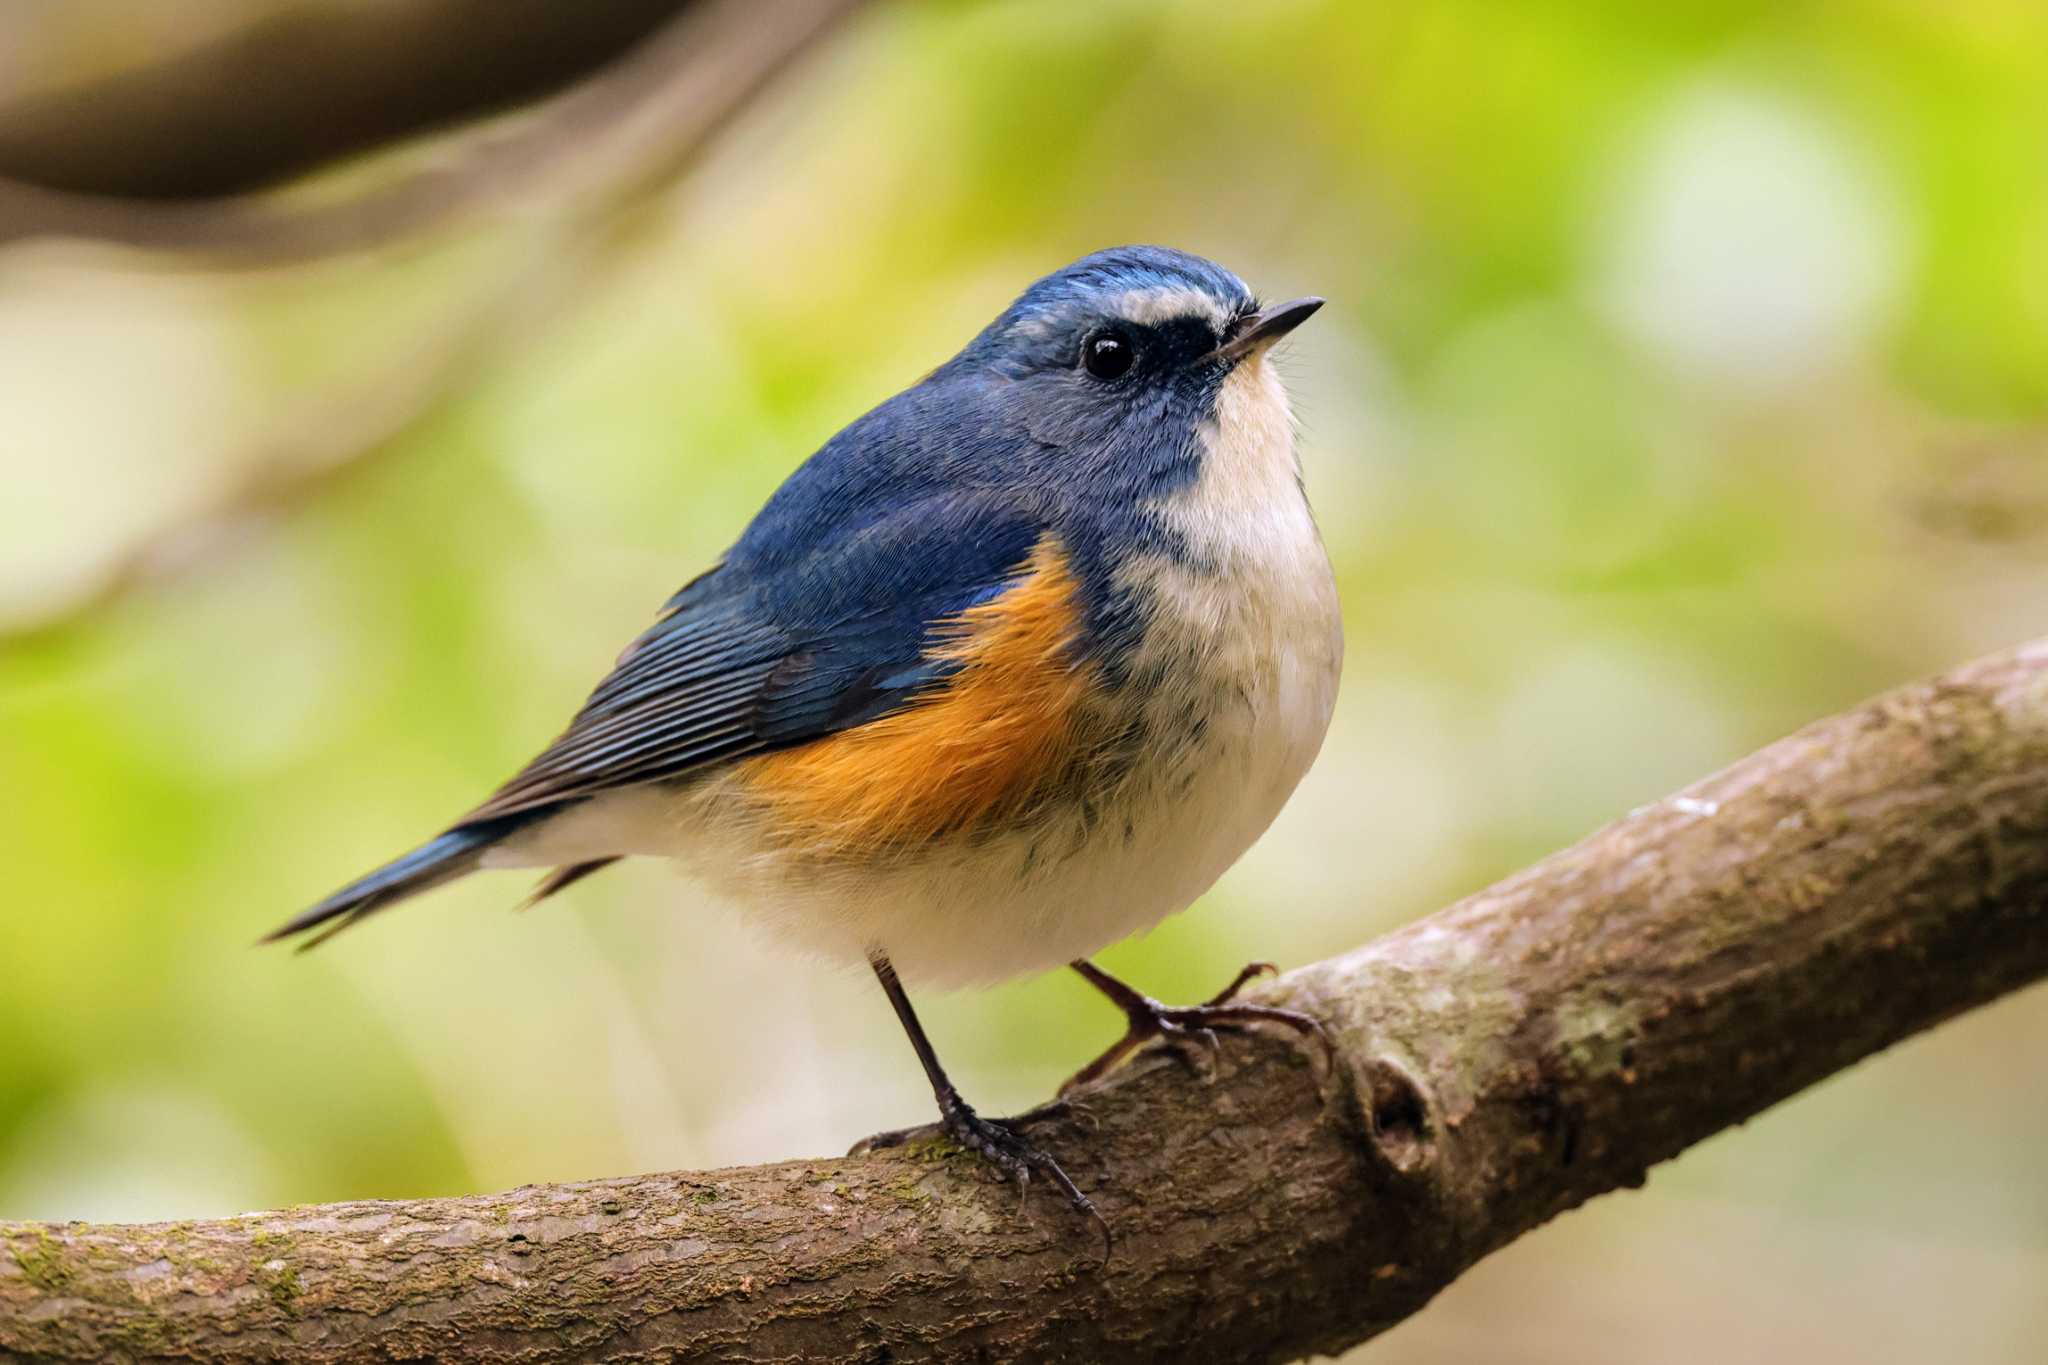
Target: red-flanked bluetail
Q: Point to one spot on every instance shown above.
(1016, 665)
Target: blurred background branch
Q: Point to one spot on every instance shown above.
(241, 97)
(623, 131)
(1538, 1044)
(175, 158)
(339, 436)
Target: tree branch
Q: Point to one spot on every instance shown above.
(1532, 1046)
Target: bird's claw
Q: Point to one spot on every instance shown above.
(895, 1137)
(1001, 1146)
(1180, 1027)
(998, 1143)
(1250, 971)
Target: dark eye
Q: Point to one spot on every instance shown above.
(1108, 355)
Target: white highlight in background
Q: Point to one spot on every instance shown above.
(1747, 241)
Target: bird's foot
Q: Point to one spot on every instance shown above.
(997, 1142)
(1190, 1030)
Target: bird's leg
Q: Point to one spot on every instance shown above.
(995, 1141)
(1182, 1027)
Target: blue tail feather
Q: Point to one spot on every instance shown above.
(431, 864)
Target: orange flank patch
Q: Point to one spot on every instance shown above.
(993, 740)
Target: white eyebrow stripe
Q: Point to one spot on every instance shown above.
(1150, 307)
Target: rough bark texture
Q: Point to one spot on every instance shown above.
(1537, 1044)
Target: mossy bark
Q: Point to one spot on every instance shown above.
(1537, 1044)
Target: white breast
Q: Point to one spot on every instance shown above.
(1257, 607)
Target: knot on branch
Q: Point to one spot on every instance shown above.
(1398, 1118)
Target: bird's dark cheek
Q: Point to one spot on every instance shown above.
(1072, 417)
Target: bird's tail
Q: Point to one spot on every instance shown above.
(432, 864)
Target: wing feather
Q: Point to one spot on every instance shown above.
(745, 663)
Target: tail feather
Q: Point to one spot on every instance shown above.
(563, 877)
(432, 864)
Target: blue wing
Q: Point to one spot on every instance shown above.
(817, 621)
(772, 649)
(765, 651)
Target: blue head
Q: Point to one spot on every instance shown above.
(1177, 307)
(1090, 406)
(1094, 387)
(1116, 363)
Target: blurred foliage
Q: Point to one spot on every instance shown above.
(1685, 379)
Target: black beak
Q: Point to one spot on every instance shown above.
(1266, 326)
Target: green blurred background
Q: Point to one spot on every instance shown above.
(1685, 379)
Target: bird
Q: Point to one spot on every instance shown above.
(1014, 666)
